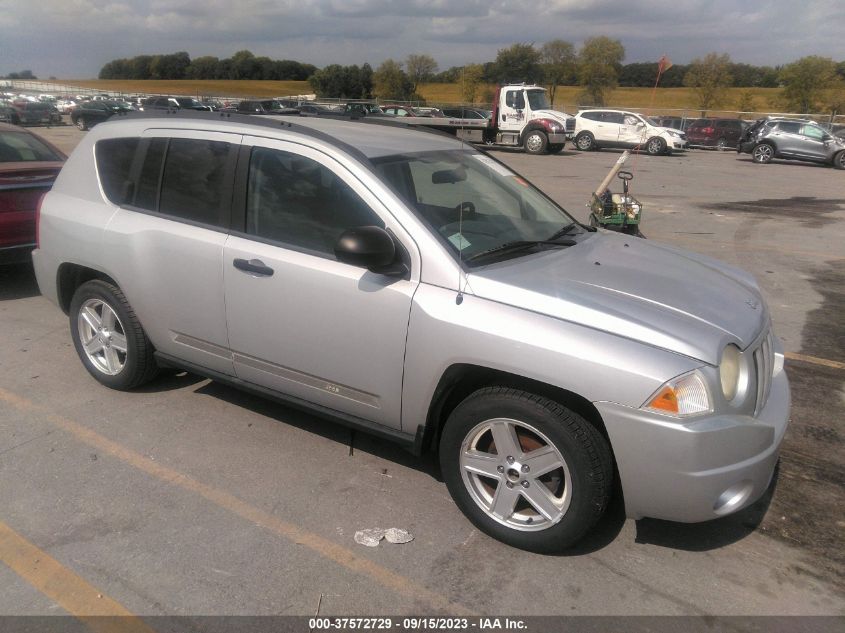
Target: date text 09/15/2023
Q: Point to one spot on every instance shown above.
(415, 623)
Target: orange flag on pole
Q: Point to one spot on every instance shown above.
(663, 64)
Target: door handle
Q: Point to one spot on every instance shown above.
(255, 266)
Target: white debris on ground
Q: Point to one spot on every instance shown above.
(372, 536)
(397, 536)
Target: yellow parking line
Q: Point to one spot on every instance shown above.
(292, 532)
(73, 593)
(835, 364)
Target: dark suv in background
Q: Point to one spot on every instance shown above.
(718, 133)
(797, 139)
(86, 115)
(35, 113)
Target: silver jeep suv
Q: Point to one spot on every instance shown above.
(400, 282)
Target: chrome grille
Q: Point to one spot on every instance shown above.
(570, 125)
(764, 365)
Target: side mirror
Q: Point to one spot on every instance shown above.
(370, 247)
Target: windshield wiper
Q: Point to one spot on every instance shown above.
(566, 230)
(518, 245)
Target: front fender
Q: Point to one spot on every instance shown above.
(596, 365)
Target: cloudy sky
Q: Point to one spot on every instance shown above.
(74, 38)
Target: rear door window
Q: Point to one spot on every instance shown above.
(196, 176)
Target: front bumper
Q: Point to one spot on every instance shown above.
(697, 470)
(557, 139)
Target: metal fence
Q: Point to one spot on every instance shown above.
(60, 89)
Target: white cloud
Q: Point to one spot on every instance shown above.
(76, 37)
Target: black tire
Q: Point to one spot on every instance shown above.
(139, 365)
(535, 142)
(584, 477)
(763, 153)
(555, 148)
(655, 146)
(839, 160)
(81, 123)
(15, 119)
(585, 141)
(722, 144)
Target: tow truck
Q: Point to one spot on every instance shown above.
(522, 117)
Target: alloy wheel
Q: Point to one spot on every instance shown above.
(515, 474)
(102, 336)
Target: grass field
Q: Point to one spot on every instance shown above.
(566, 98)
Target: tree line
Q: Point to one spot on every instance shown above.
(809, 84)
(241, 65)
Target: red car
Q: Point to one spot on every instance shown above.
(718, 133)
(28, 167)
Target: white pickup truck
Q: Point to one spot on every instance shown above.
(522, 117)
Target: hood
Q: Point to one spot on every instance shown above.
(654, 293)
(555, 115)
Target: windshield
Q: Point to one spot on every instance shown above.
(537, 99)
(187, 102)
(471, 201)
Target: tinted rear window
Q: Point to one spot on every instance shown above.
(114, 164)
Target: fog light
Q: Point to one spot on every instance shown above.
(733, 498)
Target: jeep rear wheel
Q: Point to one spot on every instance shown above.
(109, 338)
(81, 123)
(535, 142)
(525, 469)
(763, 153)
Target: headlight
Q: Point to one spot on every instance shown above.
(681, 397)
(673, 133)
(733, 373)
(730, 371)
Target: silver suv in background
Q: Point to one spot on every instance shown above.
(794, 139)
(403, 283)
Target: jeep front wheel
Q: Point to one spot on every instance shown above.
(524, 469)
